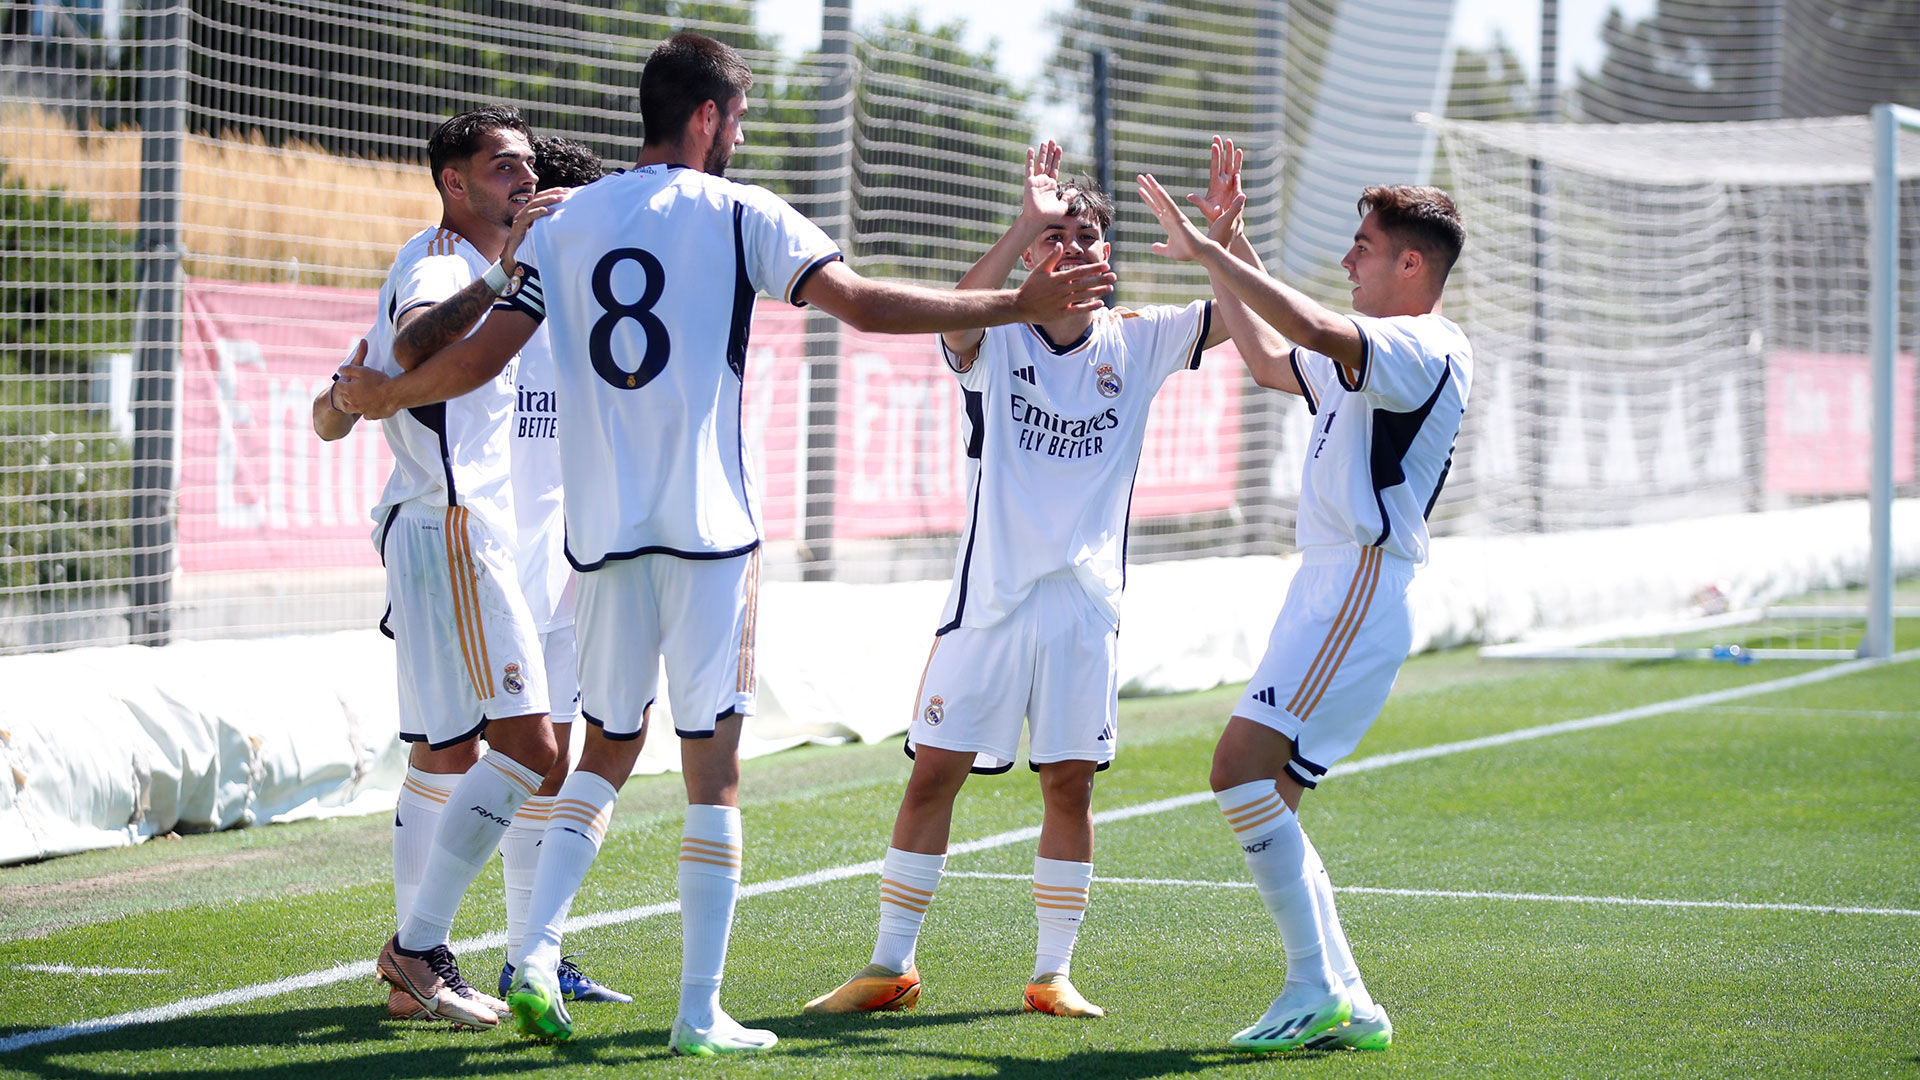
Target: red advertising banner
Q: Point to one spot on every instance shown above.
(1818, 421)
(258, 491)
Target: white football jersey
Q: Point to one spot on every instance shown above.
(541, 549)
(453, 453)
(1382, 444)
(1054, 433)
(646, 282)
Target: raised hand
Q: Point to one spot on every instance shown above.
(1043, 201)
(537, 207)
(1224, 199)
(1183, 241)
(1050, 292)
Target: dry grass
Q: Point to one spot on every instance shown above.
(252, 212)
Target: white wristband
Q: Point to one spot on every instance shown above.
(496, 278)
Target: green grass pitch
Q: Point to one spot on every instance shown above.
(1726, 889)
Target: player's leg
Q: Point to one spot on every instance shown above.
(1340, 638)
(1369, 1028)
(618, 641)
(431, 775)
(466, 651)
(968, 711)
(1062, 879)
(1074, 717)
(520, 849)
(910, 872)
(707, 643)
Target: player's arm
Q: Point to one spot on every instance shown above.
(330, 421)
(1261, 347)
(1293, 313)
(425, 330)
(891, 307)
(1040, 206)
(460, 368)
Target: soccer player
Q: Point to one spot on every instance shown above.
(646, 283)
(469, 657)
(1056, 413)
(545, 580)
(1387, 387)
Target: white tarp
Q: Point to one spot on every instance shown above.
(108, 746)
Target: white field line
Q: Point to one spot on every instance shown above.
(1458, 894)
(69, 969)
(364, 969)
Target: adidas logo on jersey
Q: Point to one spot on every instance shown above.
(1265, 697)
(1024, 374)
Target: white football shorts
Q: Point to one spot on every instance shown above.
(1341, 637)
(467, 650)
(695, 614)
(1051, 662)
(563, 672)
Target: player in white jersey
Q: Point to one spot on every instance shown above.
(1056, 414)
(1387, 388)
(469, 659)
(646, 282)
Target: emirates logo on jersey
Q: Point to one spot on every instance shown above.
(936, 711)
(1107, 381)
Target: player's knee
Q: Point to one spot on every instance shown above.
(1067, 789)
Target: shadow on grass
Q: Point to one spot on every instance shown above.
(353, 1042)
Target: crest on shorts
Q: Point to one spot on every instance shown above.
(1107, 381)
(510, 678)
(936, 711)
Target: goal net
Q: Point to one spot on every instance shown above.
(1671, 321)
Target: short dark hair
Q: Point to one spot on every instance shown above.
(1421, 218)
(565, 163)
(1084, 198)
(685, 72)
(459, 137)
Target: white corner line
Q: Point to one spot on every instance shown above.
(364, 968)
(1472, 894)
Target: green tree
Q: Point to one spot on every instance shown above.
(1490, 84)
(67, 294)
(1755, 59)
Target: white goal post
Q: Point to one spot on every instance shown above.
(1884, 241)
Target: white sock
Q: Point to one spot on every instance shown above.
(710, 849)
(907, 882)
(1059, 903)
(1339, 955)
(575, 829)
(423, 798)
(519, 859)
(482, 804)
(1269, 834)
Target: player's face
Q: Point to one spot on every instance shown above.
(499, 177)
(1080, 239)
(726, 138)
(1372, 265)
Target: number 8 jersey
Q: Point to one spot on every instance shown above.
(646, 281)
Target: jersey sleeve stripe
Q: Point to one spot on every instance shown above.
(1356, 385)
(1299, 376)
(792, 295)
(1200, 339)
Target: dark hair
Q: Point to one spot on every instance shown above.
(685, 72)
(459, 137)
(1421, 218)
(1084, 198)
(565, 163)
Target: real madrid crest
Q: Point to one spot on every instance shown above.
(1107, 381)
(510, 678)
(936, 711)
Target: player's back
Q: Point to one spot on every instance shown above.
(647, 282)
(452, 453)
